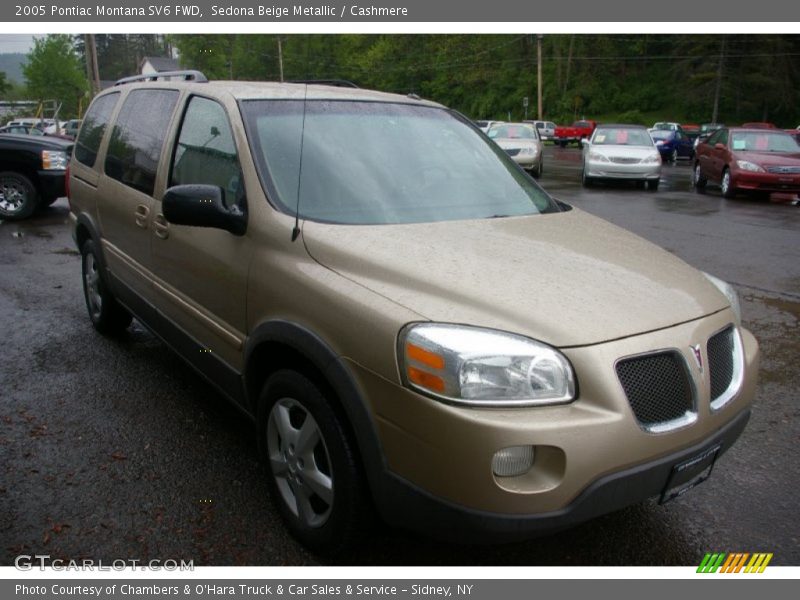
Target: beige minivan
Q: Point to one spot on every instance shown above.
(411, 322)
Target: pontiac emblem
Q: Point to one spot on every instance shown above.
(698, 357)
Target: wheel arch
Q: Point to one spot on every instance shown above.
(86, 229)
(279, 344)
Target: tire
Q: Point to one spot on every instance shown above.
(586, 180)
(699, 180)
(536, 172)
(18, 196)
(652, 184)
(562, 143)
(673, 157)
(641, 184)
(728, 191)
(107, 316)
(332, 514)
(48, 202)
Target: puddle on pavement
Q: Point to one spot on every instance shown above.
(775, 321)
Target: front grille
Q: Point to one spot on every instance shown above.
(624, 160)
(512, 151)
(720, 351)
(657, 387)
(784, 170)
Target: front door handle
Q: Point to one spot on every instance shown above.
(141, 216)
(161, 226)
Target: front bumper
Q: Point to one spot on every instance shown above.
(52, 183)
(611, 170)
(411, 507)
(590, 450)
(767, 182)
(526, 161)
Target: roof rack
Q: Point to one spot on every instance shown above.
(333, 82)
(186, 75)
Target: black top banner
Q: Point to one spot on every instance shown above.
(459, 11)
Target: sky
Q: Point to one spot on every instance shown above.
(12, 42)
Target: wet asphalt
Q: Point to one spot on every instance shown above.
(114, 449)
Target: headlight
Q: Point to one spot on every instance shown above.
(530, 151)
(598, 157)
(652, 159)
(54, 159)
(483, 367)
(746, 165)
(730, 294)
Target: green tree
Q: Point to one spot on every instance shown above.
(54, 72)
(5, 85)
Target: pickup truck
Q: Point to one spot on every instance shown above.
(574, 133)
(32, 173)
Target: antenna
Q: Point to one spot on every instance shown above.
(296, 230)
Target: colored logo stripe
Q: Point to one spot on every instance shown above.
(734, 562)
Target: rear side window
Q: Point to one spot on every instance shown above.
(94, 126)
(138, 135)
(206, 152)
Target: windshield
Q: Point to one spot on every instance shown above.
(763, 142)
(660, 134)
(622, 137)
(511, 132)
(381, 163)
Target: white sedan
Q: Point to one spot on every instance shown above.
(621, 152)
(522, 143)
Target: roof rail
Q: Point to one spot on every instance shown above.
(187, 75)
(333, 82)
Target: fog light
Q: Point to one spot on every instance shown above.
(512, 461)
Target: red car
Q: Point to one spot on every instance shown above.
(748, 160)
(576, 132)
(759, 125)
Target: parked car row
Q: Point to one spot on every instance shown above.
(35, 126)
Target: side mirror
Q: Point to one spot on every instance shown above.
(202, 206)
(585, 142)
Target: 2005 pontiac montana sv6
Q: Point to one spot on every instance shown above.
(409, 319)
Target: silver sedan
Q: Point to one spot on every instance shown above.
(621, 152)
(522, 143)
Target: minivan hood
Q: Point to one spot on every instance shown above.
(567, 279)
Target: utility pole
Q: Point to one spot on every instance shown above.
(718, 87)
(539, 73)
(280, 57)
(92, 71)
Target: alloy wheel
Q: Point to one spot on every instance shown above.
(300, 462)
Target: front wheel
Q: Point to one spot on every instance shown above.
(586, 180)
(313, 474)
(728, 191)
(699, 180)
(18, 197)
(673, 157)
(652, 184)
